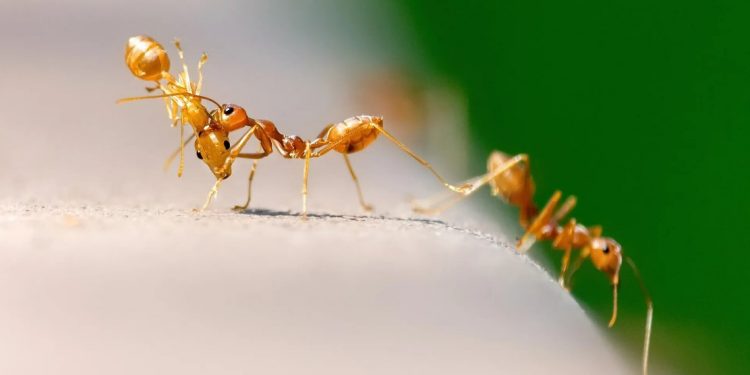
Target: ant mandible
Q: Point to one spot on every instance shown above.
(148, 60)
(510, 179)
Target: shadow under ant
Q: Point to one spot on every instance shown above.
(266, 212)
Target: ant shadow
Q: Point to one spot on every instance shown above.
(265, 212)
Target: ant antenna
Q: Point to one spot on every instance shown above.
(613, 319)
(132, 99)
(649, 313)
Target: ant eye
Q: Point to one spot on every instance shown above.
(226, 144)
(199, 155)
(228, 110)
(606, 249)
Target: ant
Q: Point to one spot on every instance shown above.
(510, 179)
(148, 60)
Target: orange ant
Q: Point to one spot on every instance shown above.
(510, 180)
(148, 60)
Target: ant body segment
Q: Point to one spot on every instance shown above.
(510, 180)
(148, 60)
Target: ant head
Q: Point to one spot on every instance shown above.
(231, 117)
(212, 146)
(606, 254)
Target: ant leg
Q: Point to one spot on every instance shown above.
(458, 189)
(211, 195)
(249, 188)
(569, 237)
(234, 152)
(185, 75)
(564, 267)
(543, 218)
(176, 152)
(201, 62)
(576, 265)
(565, 209)
(181, 166)
(366, 207)
(250, 179)
(305, 172)
(473, 185)
(492, 174)
(441, 201)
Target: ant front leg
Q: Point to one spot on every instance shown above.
(211, 195)
(250, 179)
(233, 154)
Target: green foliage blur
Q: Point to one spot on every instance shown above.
(642, 110)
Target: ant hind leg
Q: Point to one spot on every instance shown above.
(366, 207)
(458, 189)
(305, 173)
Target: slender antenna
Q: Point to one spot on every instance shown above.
(135, 98)
(176, 152)
(613, 319)
(649, 313)
(181, 167)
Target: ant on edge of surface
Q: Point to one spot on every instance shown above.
(508, 177)
(510, 180)
(148, 60)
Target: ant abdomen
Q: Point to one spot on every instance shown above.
(146, 58)
(354, 133)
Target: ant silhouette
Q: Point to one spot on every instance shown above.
(510, 180)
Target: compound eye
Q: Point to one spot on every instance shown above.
(606, 249)
(226, 145)
(199, 155)
(228, 110)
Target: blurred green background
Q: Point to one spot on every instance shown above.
(642, 110)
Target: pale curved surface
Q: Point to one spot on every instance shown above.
(92, 290)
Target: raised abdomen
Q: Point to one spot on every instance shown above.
(354, 133)
(146, 58)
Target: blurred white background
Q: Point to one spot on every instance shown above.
(302, 64)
